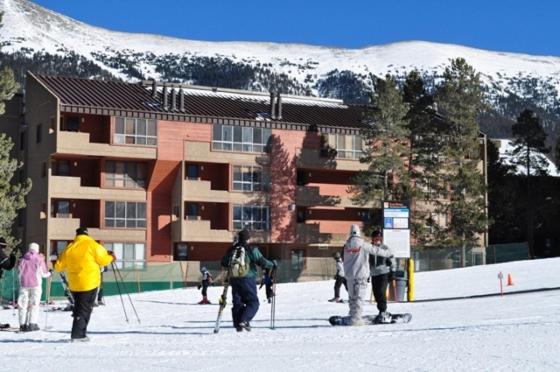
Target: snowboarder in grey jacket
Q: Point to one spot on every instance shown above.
(356, 268)
(380, 267)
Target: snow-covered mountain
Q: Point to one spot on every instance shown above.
(36, 38)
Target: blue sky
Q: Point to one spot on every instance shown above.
(503, 25)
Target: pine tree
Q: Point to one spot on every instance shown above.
(386, 152)
(459, 98)
(529, 149)
(12, 194)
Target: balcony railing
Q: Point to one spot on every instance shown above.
(70, 187)
(78, 143)
(64, 229)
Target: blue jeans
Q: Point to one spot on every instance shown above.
(245, 300)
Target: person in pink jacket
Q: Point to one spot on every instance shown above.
(32, 268)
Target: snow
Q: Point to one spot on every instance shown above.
(27, 25)
(515, 332)
(506, 155)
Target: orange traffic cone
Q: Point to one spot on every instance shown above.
(510, 280)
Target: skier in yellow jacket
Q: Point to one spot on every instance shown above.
(81, 259)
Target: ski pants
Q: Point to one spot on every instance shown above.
(83, 306)
(379, 287)
(338, 282)
(204, 288)
(245, 299)
(357, 289)
(28, 304)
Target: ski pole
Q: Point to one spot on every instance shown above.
(13, 293)
(119, 290)
(128, 294)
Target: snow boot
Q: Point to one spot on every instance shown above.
(24, 328)
(4, 325)
(383, 317)
(204, 301)
(83, 339)
(245, 325)
(33, 327)
(335, 299)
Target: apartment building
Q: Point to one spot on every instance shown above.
(161, 170)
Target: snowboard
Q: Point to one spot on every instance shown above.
(338, 320)
(10, 329)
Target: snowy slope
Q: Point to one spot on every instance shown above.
(510, 333)
(506, 155)
(33, 28)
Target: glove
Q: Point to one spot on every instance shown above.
(112, 254)
(222, 300)
(198, 286)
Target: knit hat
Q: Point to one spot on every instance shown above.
(244, 236)
(376, 234)
(81, 231)
(33, 247)
(355, 230)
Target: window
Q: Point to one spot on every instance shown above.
(38, 133)
(135, 131)
(242, 139)
(193, 172)
(192, 211)
(61, 209)
(62, 167)
(129, 175)
(248, 178)
(347, 146)
(125, 214)
(130, 255)
(252, 217)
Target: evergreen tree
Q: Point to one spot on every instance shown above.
(459, 98)
(386, 152)
(12, 194)
(424, 163)
(528, 152)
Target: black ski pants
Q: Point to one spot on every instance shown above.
(338, 282)
(83, 305)
(205, 288)
(379, 285)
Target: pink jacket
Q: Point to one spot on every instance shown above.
(32, 268)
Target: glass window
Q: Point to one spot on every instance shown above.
(192, 171)
(248, 178)
(192, 211)
(128, 175)
(236, 138)
(131, 255)
(125, 214)
(135, 131)
(253, 217)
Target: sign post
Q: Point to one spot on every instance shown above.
(396, 228)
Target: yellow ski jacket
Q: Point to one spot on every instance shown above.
(82, 259)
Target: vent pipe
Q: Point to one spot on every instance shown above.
(164, 97)
(272, 106)
(278, 106)
(173, 99)
(154, 88)
(181, 100)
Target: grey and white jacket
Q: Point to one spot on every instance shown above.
(339, 267)
(356, 257)
(378, 264)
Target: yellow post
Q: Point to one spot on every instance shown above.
(410, 293)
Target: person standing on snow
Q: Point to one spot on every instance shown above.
(82, 260)
(241, 260)
(6, 263)
(356, 268)
(339, 278)
(380, 268)
(206, 281)
(32, 268)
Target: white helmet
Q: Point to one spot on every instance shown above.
(355, 230)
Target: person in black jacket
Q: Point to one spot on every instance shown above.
(241, 261)
(6, 263)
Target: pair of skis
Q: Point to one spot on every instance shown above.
(223, 301)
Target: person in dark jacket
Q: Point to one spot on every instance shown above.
(206, 281)
(339, 278)
(241, 261)
(6, 263)
(380, 267)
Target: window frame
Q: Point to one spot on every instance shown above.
(128, 131)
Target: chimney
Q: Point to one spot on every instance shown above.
(173, 99)
(272, 108)
(164, 97)
(279, 106)
(181, 100)
(154, 88)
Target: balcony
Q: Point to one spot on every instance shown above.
(78, 143)
(312, 159)
(201, 152)
(64, 187)
(201, 191)
(64, 229)
(311, 234)
(326, 195)
(200, 231)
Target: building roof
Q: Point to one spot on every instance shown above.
(198, 102)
